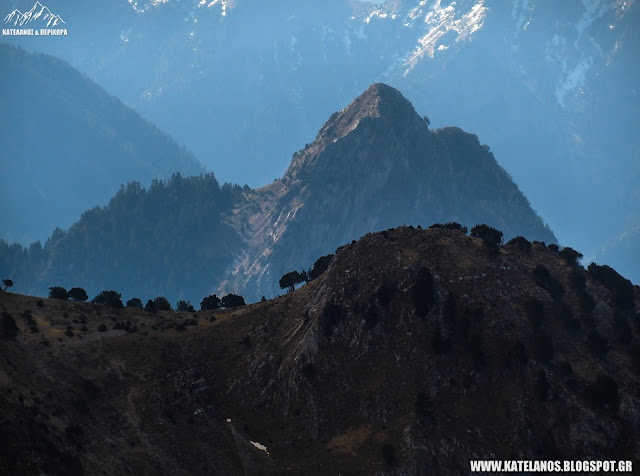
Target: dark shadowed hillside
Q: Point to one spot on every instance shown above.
(67, 146)
(376, 165)
(415, 352)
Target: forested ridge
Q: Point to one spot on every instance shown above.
(169, 239)
(67, 145)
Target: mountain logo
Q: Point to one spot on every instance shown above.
(40, 16)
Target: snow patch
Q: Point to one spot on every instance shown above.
(259, 446)
(441, 20)
(223, 6)
(415, 13)
(379, 13)
(147, 6)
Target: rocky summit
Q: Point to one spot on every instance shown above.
(374, 165)
(414, 352)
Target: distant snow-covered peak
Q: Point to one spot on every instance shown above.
(438, 19)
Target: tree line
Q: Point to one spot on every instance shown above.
(291, 279)
(160, 303)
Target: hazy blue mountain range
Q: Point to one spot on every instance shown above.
(374, 165)
(67, 145)
(552, 86)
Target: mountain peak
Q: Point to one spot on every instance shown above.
(382, 90)
(375, 165)
(381, 108)
(379, 100)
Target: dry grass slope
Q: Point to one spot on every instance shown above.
(416, 351)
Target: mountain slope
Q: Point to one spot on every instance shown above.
(415, 352)
(375, 165)
(552, 86)
(68, 146)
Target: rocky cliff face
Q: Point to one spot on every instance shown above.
(375, 165)
(413, 353)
